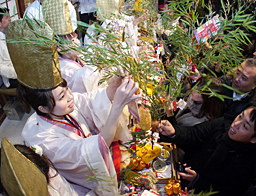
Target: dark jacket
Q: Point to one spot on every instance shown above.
(221, 163)
(235, 107)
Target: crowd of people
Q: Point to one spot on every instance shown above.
(77, 121)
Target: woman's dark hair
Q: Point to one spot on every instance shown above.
(253, 118)
(3, 11)
(37, 97)
(42, 162)
(211, 106)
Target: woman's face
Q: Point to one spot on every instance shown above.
(75, 41)
(63, 102)
(196, 96)
(71, 54)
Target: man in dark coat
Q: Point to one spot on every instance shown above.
(245, 82)
(221, 156)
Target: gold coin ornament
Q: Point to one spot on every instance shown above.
(159, 166)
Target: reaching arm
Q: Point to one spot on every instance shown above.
(194, 135)
(166, 128)
(124, 94)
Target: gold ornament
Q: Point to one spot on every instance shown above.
(145, 118)
(147, 153)
(159, 166)
(176, 188)
(132, 177)
(168, 189)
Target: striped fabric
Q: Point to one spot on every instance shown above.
(133, 109)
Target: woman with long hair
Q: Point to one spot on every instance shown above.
(201, 107)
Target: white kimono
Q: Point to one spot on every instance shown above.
(6, 67)
(80, 79)
(76, 158)
(34, 10)
(58, 186)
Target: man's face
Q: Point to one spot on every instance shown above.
(245, 77)
(6, 20)
(242, 129)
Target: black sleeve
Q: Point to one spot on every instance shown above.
(199, 184)
(196, 134)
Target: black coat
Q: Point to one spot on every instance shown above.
(221, 163)
(235, 107)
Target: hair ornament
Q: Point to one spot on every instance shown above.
(37, 149)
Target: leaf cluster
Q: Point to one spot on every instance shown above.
(113, 49)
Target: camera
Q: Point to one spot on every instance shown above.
(179, 167)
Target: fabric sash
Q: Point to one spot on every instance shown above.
(116, 158)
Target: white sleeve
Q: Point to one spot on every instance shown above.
(34, 10)
(6, 67)
(58, 186)
(85, 79)
(28, 13)
(94, 106)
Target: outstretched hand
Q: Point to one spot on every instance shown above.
(115, 82)
(166, 128)
(123, 95)
(126, 92)
(190, 175)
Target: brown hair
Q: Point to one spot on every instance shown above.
(68, 36)
(37, 97)
(211, 106)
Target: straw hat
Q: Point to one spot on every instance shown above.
(19, 176)
(58, 16)
(36, 64)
